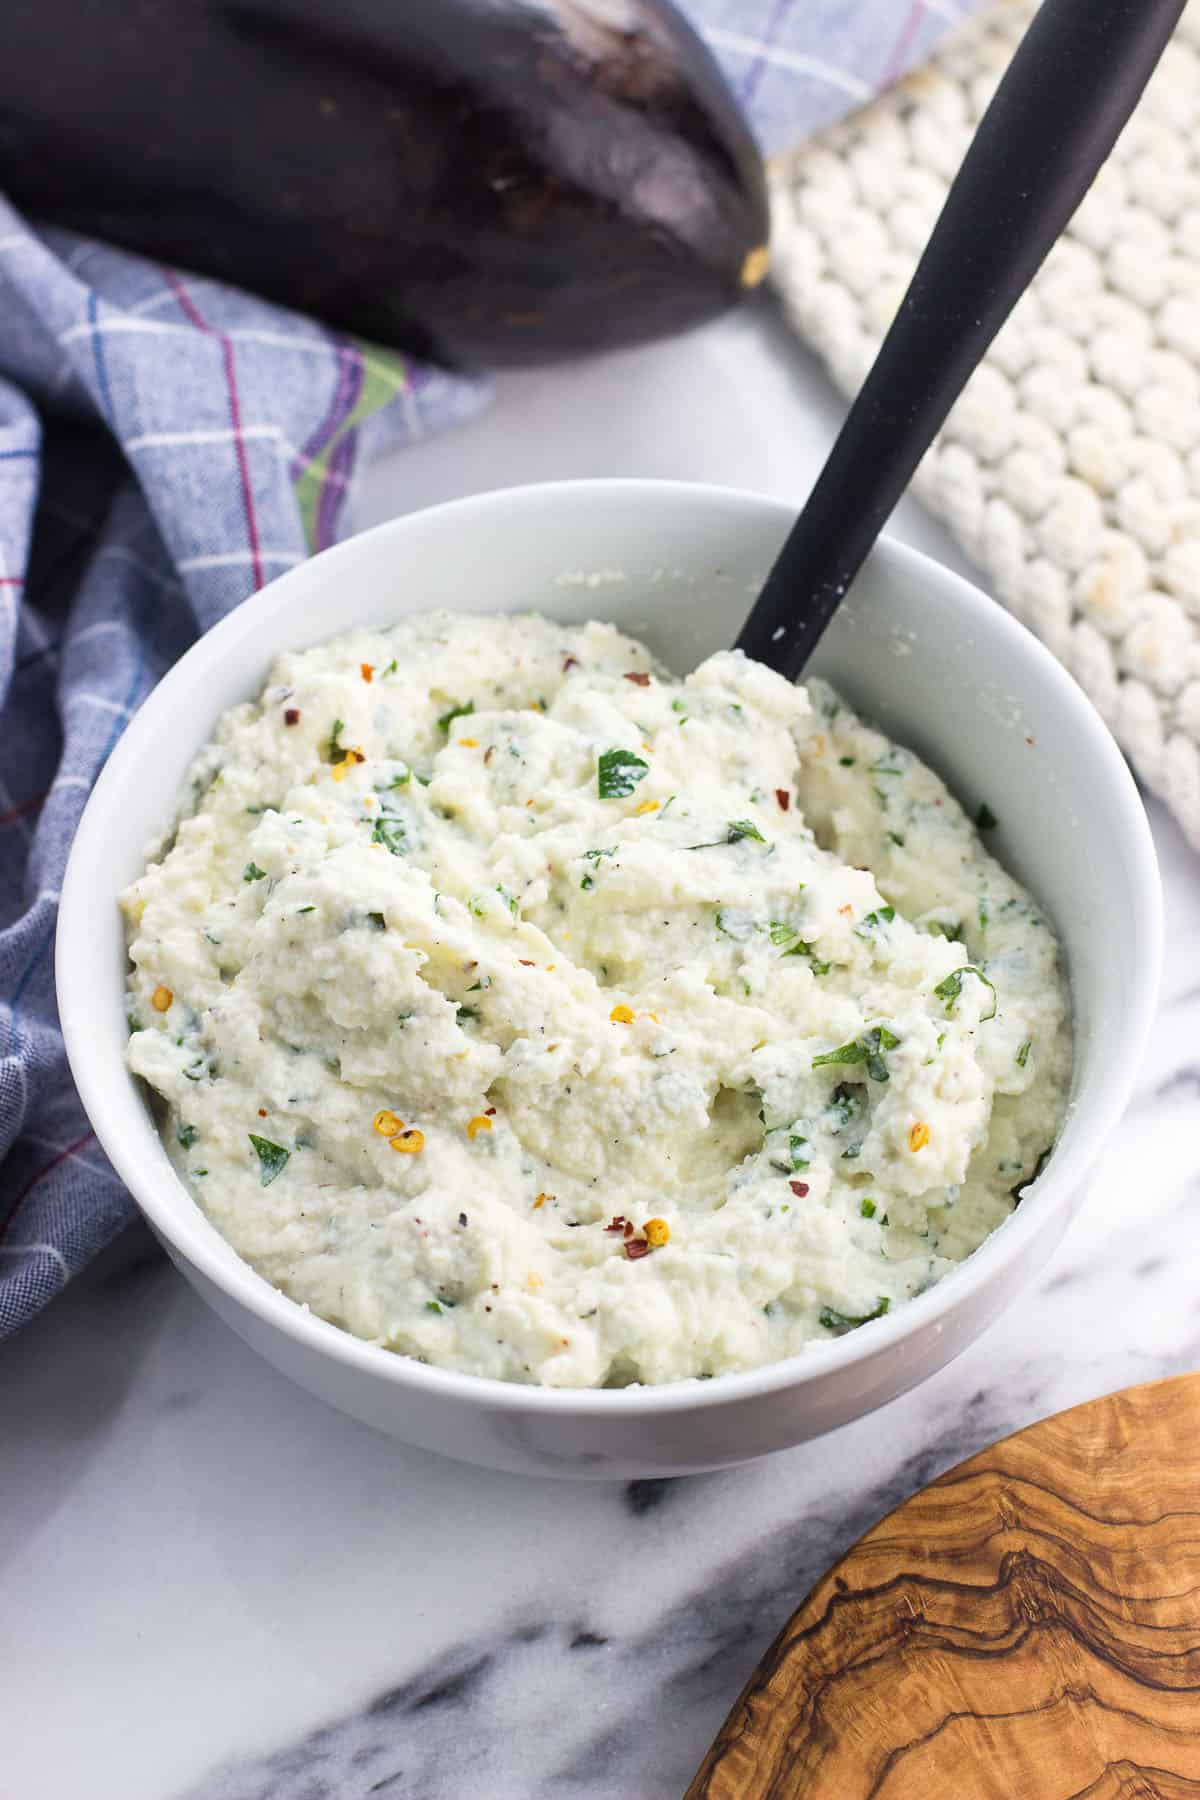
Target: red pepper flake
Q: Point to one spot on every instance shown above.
(262, 1112)
(569, 663)
(618, 1224)
(637, 678)
(784, 799)
(636, 1247)
(489, 1112)
(292, 716)
(525, 963)
(799, 1188)
(368, 671)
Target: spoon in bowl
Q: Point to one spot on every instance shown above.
(1076, 76)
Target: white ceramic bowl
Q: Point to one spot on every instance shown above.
(924, 654)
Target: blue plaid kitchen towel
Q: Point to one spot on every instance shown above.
(167, 445)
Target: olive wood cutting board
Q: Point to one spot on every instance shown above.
(1026, 1628)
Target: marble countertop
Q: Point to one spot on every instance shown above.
(217, 1589)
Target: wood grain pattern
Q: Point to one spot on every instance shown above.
(1026, 1628)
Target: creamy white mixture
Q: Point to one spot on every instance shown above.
(529, 1012)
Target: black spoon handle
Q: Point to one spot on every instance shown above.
(1076, 77)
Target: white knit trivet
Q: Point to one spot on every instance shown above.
(1070, 468)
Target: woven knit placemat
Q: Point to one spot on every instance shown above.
(1069, 470)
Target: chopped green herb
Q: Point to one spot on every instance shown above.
(211, 939)
(867, 1209)
(938, 928)
(1023, 1053)
(587, 882)
(845, 1104)
(842, 1322)
(510, 900)
(433, 1307)
(950, 989)
(680, 706)
(738, 829)
(845, 1053)
(896, 838)
(867, 1049)
(618, 773)
(389, 831)
(132, 1020)
(985, 818)
(376, 921)
(661, 814)
(466, 1012)
(888, 764)
(784, 935)
(874, 1042)
(798, 1149)
(390, 670)
(847, 762)
(186, 1135)
(272, 1157)
(306, 909)
(733, 923)
(870, 926)
(334, 750)
(593, 856)
(252, 872)
(457, 711)
(397, 781)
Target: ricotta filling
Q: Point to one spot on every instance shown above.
(524, 1010)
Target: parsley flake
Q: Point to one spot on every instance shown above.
(841, 1322)
(389, 831)
(874, 922)
(618, 773)
(950, 989)
(272, 1158)
(457, 711)
(866, 1049)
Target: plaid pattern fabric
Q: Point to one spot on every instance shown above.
(167, 445)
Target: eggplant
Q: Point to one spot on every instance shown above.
(475, 181)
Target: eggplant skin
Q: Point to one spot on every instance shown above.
(477, 181)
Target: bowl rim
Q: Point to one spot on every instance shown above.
(191, 1234)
